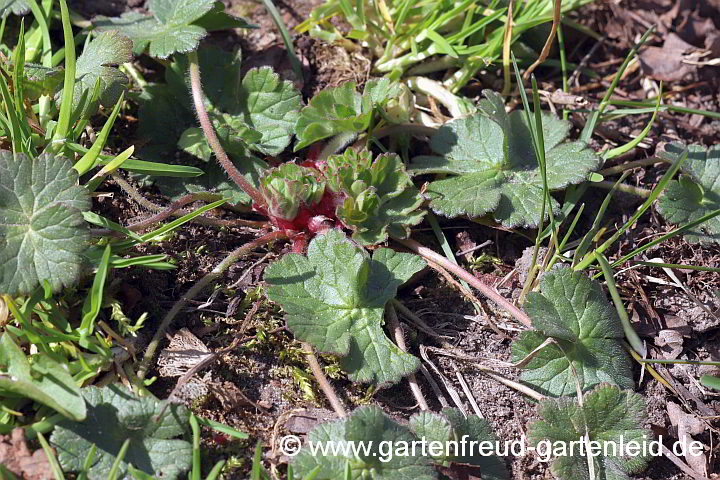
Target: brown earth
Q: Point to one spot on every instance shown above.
(270, 370)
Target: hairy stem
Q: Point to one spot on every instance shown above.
(209, 131)
(486, 290)
(623, 187)
(396, 329)
(644, 162)
(175, 209)
(323, 381)
(196, 289)
(134, 193)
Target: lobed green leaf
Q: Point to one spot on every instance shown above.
(342, 109)
(42, 231)
(114, 416)
(696, 193)
(98, 63)
(368, 426)
(335, 297)
(455, 432)
(608, 415)
(173, 26)
(492, 160)
(573, 310)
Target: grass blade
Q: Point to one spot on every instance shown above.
(615, 152)
(95, 219)
(195, 475)
(257, 467)
(63, 126)
(294, 61)
(215, 472)
(97, 179)
(52, 460)
(88, 160)
(116, 464)
(582, 249)
(630, 334)
(222, 428)
(12, 116)
(590, 257)
(668, 235)
(593, 117)
(89, 459)
(94, 300)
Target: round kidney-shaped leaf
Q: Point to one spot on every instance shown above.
(42, 230)
(114, 415)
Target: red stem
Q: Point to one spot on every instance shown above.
(486, 290)
(206, 124)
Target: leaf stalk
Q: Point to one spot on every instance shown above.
(196, 289)
(209, 131)
(486, 290)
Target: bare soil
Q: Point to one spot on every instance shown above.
(269, 371)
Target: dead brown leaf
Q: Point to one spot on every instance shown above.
(17, 457)
(688, 425)
(303, 422)
(184, 352)
(666, 63)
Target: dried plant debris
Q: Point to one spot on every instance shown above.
(16, 457)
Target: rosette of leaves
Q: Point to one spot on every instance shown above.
(493, 167)
(115, 415)
(335, 298)
(343, 109)
(290, 186)
(572, 309)
(455, 432)
(366, 426)
(608, 416)
(695, 193)
(43, 234)
(380, 198)
(172, 26)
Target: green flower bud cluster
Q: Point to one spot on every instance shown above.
(290, 186)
